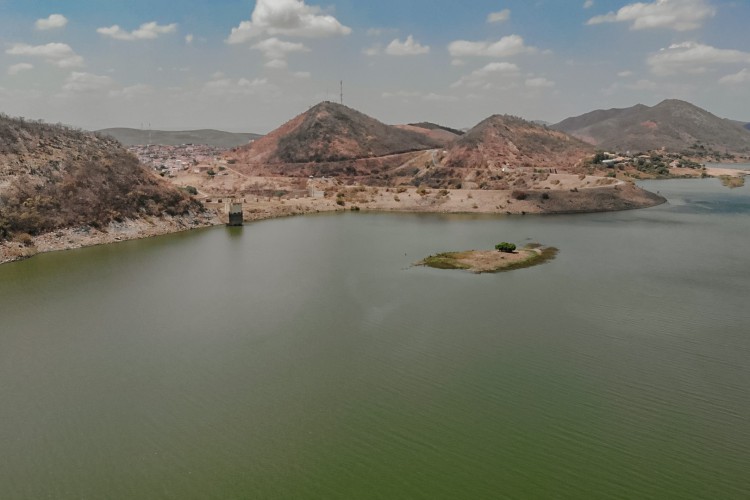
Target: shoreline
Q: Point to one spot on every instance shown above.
(536, 202)
(115, 232)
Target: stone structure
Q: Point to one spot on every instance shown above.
(234, 211)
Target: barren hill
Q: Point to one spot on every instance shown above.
(440, 135)
(507, 140)
(209, 137)
(672, 124)
(501, 147)
(331, 132)
(54, 177)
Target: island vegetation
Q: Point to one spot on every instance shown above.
(505, 257)
(732, 182)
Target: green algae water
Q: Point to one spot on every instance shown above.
(306, 358)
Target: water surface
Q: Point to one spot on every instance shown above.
(305, 358)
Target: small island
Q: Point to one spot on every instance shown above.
(505, 257)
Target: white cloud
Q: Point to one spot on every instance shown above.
(302, 75)
(499, 17)
(373, 50)
(147, 31)
(52, 22)
(458, 62)
(691, 57)
(679, 15)
(242, 86)
(539, 83)
(189, 38)
(273, 48)
(743, 77)
(409, 47)
(588, 4)
(481, 77)
(625, 74)
(19, 68)
(59, 54)
(287, 17)
(277, 64)
(505, 47)
(87, 82)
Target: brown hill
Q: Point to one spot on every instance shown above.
(672, 124)
(53, 177)
(500, 148)
(507, 140)
(331, 132)
(438, 134)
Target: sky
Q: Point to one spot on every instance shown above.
(251, 65)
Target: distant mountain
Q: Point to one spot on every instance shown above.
(435, 126)
(503, 140)
(215, 138)
(442, 135)
(54, 177)
(672, 124)
(330, 132)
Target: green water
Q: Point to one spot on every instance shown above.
(305, 358)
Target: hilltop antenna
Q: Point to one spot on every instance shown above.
(342, 91)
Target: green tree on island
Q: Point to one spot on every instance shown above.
(505, 247)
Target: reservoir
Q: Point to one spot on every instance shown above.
(306, 358)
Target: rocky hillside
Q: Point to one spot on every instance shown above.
(500, 148)
(503, 140)
(672, 124)
(331, 132)
(209, 137)
(437, 133)
(54, 177)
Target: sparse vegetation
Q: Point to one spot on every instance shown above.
(479, 261)
(62, 177)
(505, 247)
(732, 182)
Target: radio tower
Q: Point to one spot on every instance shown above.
(341, 83)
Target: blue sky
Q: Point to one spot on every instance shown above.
(250, 66)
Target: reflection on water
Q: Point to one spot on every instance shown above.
(306, 358)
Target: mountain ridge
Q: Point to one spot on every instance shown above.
(210, 137)
(672, 124)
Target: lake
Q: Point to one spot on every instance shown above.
(306, 358)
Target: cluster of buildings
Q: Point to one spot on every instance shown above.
(170, 160)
